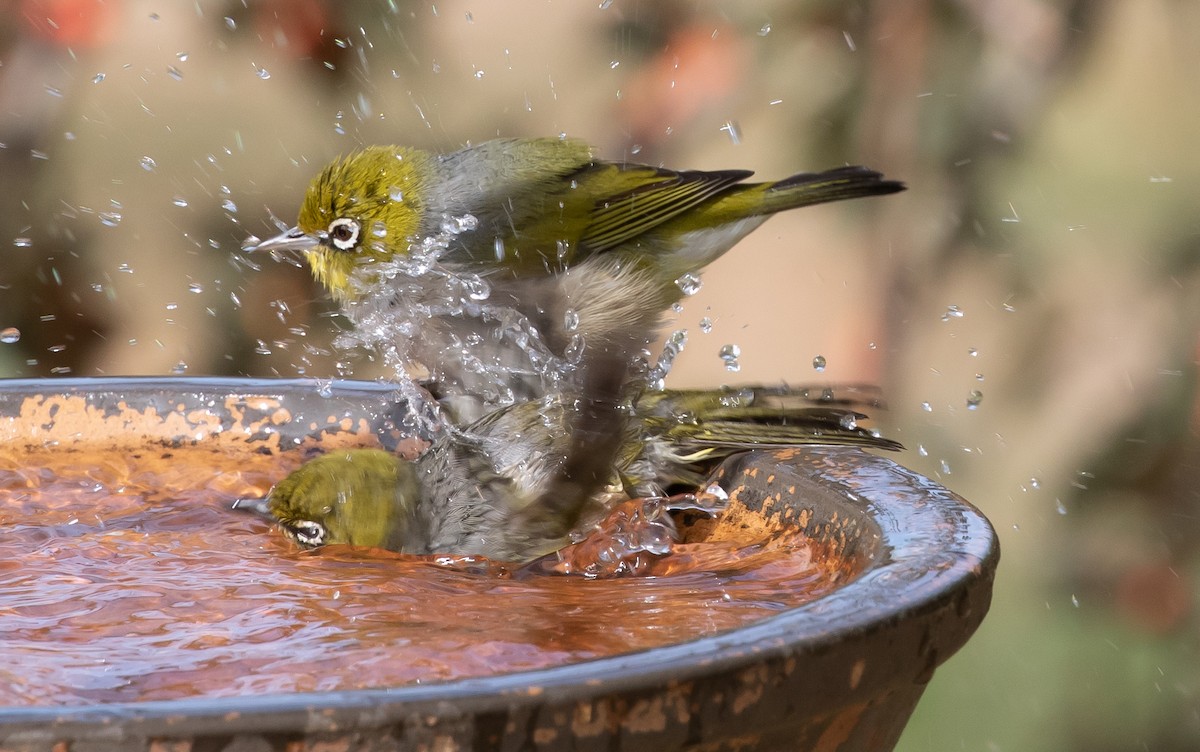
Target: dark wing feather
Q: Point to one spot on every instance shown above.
(622, 217)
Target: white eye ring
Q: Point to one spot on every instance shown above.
(307, 532)
(343, 233)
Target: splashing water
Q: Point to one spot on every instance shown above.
(689, 283)
(418, 313)
(674, 345)
(730, 355)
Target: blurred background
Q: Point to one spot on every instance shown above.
(1029, 305)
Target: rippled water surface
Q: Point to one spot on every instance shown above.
(125, 576)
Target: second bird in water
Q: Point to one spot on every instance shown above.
(484, 490)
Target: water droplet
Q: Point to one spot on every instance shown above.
(614, 65)
(230, 22)
(57, 348)
(97, 78)
(734, 130)
(262, 73)
(706, 325)
(571, 320)
(921, 450)
(396, 194)
(974, 398)
(181, 56)
(9, 335)
(179, 201)
(677, 307)
(688, 283)
(1035, 483)
(764, 30)
(927, 407)
(148, 164)
(459, 225)
(22, 242)
(195, 287)
(1059, 506)
(573, 352)
(172, 306)
(109, 219)
(478, 74)
(477, 288)
(174, 73)
(952, 312)
(499, 246)
(819, 363)
(605, 4)
(179, 368)
(1074, 600)
(972, 352)
(671, 349)
(229, 206)
(730, 354)
(849, 41)
(849, 421)
(54, 92)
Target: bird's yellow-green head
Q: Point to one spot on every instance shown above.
(361, 209)
(357, 497)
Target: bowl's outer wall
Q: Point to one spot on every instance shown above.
(841, 673)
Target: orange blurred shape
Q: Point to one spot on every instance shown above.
(701, 64)
(1155, 597)
(295, 26)
(70, 23)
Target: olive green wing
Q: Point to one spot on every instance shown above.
(634, 199)
(517, 190)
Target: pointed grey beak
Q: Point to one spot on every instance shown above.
(254, 506)
(291, 240)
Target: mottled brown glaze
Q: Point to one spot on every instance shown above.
(841, 673)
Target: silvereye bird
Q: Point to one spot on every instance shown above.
(485, 490)
(589, 253)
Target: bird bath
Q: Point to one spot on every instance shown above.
(842, 671)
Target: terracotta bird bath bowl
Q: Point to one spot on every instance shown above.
(908, 570)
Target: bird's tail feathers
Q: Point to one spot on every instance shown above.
(838, 184)
(692, 431)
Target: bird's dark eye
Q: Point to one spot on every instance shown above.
(307, 533)
(343, 233)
